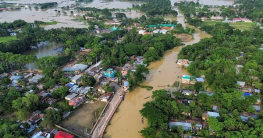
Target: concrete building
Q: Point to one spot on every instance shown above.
(76, 79)
(71, 96)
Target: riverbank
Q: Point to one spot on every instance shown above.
(127, 122)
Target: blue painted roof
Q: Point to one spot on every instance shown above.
(200, 79)
(126, 84)
(246, 94)
(70, 84)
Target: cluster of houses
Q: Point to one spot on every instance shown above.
(77, 93)
(196, 124)
(34, 120)
(164, 29)
(188, 79)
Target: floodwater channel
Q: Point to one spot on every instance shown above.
(126, 123)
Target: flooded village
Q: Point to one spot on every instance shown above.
(108, 108)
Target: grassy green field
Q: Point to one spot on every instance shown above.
(7, 39)
(238, 25)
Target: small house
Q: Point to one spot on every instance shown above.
(186, 79)
(75, 102)
(257, 108)
(76, 79)
(241, 83)
(215, 108)
(163, 31)
(257, 90)
(36, 78)
(142, 32)
(110, 73)
(203, 18)
(200, 79)
(105, 97)
(12, 34)
(35, 117)
(217, 18)
(16, 77)
(48, 100)
(74, 89)
(156, 31)
(124, 73)
(209, 114)
(71, 84)
(238, 68)
(84, 90)
(71, 96)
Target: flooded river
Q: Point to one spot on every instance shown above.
(126, 123)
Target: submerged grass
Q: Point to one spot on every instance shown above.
(147, 87)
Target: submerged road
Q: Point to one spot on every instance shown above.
(113, 105)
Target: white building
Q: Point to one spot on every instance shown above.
(71, 96)
(142, 32)
(76, 79)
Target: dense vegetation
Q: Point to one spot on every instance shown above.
(10, 62)
(11, 26)
(215, 58)
(251, 9)
(164, 109)
(48, 5)
(9, 129)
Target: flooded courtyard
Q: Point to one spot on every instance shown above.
(81, 120)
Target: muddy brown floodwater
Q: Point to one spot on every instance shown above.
(126, 123)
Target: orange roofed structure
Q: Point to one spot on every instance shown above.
(62, 134)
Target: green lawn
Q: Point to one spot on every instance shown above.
(238, 25)
(7, 39)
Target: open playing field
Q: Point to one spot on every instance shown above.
(7, 39)
(238, 25)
